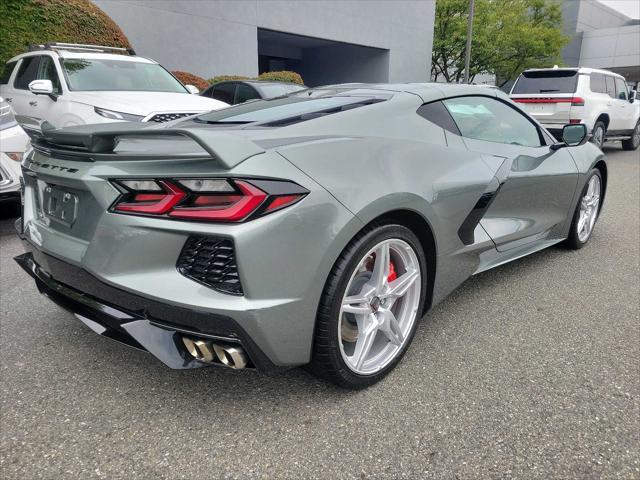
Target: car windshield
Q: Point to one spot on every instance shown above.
(547, 81)
(275, 90)
(85, 74)
(297, 105)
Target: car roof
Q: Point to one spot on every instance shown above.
(428, 91)
(88, 55)
(584, 70)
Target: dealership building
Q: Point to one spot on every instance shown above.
(325, 41)
(601, 38)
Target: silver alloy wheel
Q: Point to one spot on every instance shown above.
(377, 315)
(598, 136)
(589, 206)
(635, 139)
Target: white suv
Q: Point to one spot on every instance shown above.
(600, 99)
(68, 84)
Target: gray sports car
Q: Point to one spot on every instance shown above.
(313, 229)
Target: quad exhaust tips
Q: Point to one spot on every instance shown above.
(208, 352)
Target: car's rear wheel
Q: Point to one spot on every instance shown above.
(370, 307)
(587, 211)
(598, 133)
(634, 142)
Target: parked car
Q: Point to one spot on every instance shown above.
(239, 91)
(67, 84)
(13, 143)
(319, 231)
(599, 99)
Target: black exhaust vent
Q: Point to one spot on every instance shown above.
(211, 261)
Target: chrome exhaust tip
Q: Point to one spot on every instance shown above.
(208, 352)
(233, 357)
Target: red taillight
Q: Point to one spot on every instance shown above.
(574, 101)
(215, 200)
(574, 121)
(152, 203)
(237, 209)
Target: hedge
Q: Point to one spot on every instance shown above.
(26, 22)
(190, 79)
(282, 76)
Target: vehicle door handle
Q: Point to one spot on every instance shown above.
(33, 104)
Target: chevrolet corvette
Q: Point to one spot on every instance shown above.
(315, 228)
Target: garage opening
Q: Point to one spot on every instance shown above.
(321, 61)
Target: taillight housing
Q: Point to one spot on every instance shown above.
(205, 199)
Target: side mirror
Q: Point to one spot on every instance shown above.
(632, 96)
(572, 136)
(41, 87)
(192, 90)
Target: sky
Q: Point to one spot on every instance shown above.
(631, 8)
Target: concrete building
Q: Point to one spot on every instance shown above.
(601, 38)
(325, 41)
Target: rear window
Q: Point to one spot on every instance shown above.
(287, 110)
(547, 81)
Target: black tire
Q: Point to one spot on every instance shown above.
(634, 142)
(327, 361)
(573, 241)
(598, 126)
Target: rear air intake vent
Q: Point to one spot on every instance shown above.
(211, 261)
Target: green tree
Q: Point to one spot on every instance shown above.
(25, 22)
(508, 36)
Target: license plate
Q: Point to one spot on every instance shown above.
(59, 205)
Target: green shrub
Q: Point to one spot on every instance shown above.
(26, 22)
(190, 79)
(226, 78)
(282, 76)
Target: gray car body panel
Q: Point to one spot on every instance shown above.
(357, 165)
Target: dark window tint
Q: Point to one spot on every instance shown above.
(547, 81)
(27, 72)
(611, 86)
(488, 119)
(597, 83)
(47, 71)
(621, 89)
(287, 110)
(208, 92)
(6, 73)
(224, 92)
(437, 113)
(245, 92)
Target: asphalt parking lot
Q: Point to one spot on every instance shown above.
(531, 370)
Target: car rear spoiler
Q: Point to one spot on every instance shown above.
(99, 142)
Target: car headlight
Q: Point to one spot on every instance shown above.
(128, 117)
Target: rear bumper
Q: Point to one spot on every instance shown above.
(133, 320)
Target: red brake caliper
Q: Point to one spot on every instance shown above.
(392, 272)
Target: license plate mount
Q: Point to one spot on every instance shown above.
(60, 205)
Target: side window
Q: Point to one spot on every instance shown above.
(597, 83)
(611, 86)
(437, 113)
(621, 89)
(208, 92)
(47, 71)
(27, 72)
(224, 92)
(488, 119)
(6, 73)
(245, 92)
